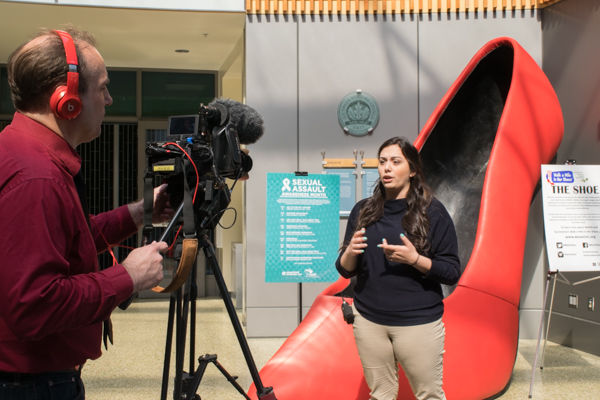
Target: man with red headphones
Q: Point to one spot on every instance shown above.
(53, 297)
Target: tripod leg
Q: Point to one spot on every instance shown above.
(182, 379)
(191, 384)
(168, 344)
(180, 333)
(231, 379)
(262, 391)
(193, 295)
(192, 381)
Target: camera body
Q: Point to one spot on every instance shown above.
(201, 150)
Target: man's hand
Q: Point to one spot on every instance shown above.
(145, 266)
(162, 207)
(161, 211)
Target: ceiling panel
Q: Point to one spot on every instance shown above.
(136, 38)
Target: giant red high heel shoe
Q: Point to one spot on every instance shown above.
(482, 149)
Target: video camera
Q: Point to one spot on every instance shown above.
(202, 150)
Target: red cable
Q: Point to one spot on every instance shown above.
(193, 164)
(110, 246)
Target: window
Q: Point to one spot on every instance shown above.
(122, 89)
(6, 106)
(171, 93)
(100, 157)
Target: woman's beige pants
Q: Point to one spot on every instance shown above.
(419, 349)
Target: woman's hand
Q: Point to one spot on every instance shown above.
(357, 244)
(405, 253)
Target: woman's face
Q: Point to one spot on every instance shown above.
(394, 172)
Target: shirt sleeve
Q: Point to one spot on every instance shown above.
(49, 280)
(350, 229)
(111, 227)
(445, 264)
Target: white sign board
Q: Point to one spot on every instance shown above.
(571, 201)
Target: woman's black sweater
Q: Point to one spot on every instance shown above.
(397, 294)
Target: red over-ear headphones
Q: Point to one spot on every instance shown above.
(65, 100)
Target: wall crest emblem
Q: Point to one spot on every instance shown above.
(358, 113)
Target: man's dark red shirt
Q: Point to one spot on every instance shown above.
(53, 298)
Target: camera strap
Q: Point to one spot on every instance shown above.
(190, 241)
(188, 256)
(189, 227)
(148, 201)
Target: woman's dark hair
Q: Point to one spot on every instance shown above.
(34, 71)
(418, 198)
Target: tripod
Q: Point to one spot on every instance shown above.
(186, 384)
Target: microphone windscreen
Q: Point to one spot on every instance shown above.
(247, 122)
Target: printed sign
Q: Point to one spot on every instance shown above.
(347, 188)
(302, 227)
(571, 201)
(369, 181)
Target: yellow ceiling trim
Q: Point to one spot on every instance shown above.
(388, 6)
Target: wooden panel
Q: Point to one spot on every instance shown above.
(388, 6)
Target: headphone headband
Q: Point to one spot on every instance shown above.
(70, 51)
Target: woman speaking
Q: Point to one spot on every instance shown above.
(401, 245)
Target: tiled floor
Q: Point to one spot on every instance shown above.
(131, 369)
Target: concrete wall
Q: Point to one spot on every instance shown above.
(297, 71)
(570, 32)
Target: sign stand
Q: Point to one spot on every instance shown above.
(549, 276)
(558, 276)
(300, 173)
(571, 197)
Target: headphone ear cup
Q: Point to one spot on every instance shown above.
(65, 105)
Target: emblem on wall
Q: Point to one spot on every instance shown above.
(358, 113)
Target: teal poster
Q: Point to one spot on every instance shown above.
(302, 227)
